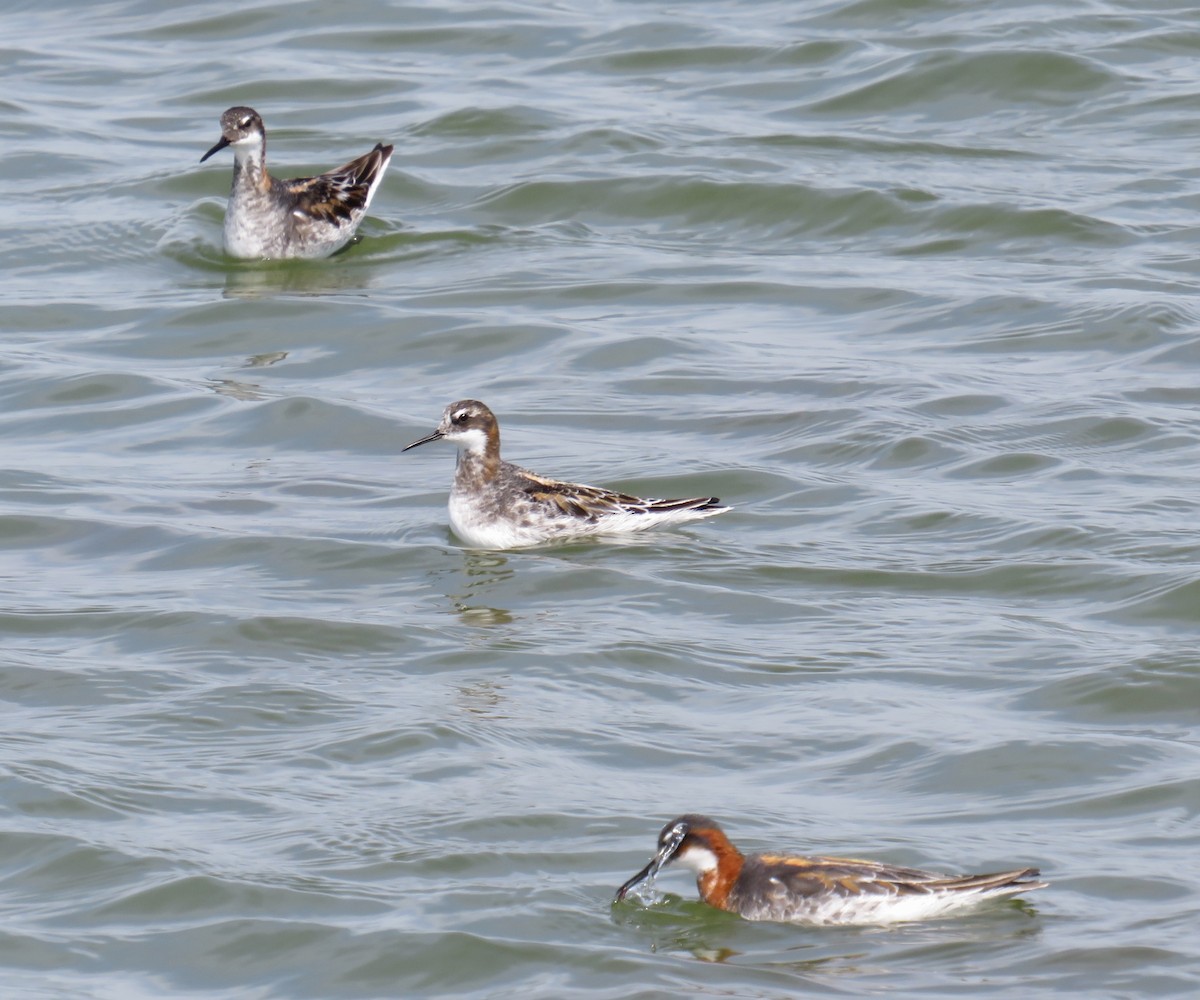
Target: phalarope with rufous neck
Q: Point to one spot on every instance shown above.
(817, 890)
(497, 505)
(304, 217)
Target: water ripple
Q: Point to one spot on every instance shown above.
(912, 288)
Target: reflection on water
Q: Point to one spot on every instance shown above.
(483, 617)
(237, 390)
(482, 698)
(263, 360)
(484, 568)
(480, 573)
(265, 279)
(249, 391)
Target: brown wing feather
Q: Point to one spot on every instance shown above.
(336, 196)
(573, 501)
(850, 876)
(590, 502)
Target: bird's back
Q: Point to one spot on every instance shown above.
(824, 890)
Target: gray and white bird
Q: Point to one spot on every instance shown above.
(268, 218)
(497, 505)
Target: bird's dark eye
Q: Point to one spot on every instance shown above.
(244, 123)
(461, 417)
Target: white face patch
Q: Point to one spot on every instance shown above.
(698, 859)
(247, 149)
(468, 438)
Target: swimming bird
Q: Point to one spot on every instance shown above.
(304, 217)
(817, 890)
(497, 505)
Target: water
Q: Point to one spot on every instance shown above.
(911, 285)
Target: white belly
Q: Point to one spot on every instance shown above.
(481, 532)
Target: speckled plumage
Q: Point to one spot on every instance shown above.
(269, 218)
(497, 505)
(817, 890)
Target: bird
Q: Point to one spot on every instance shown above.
(497, 505)
(817, 890)
(268, 218)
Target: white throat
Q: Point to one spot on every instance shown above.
(472, 440)
(698, 859)
(249, 149)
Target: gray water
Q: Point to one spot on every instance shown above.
(911, 285)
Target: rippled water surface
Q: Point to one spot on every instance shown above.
(911, 285)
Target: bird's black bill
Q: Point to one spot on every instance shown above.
(435, 436)
(654, 866)
(221, 144)
(646, 873)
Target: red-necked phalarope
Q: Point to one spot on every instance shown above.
(497, 505)
(817, 890)
(304, 217)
